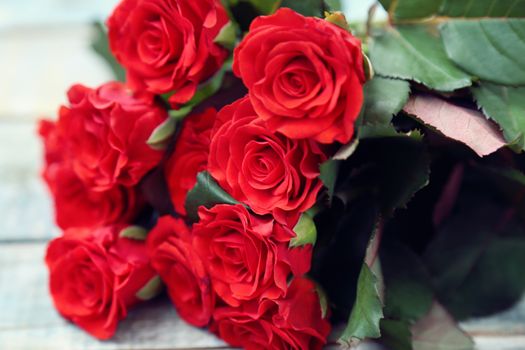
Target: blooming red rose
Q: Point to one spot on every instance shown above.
(269, 172)
(168, 45)
(77, 205)
(104, 133)
(190, 156)
(181, 269)
(248, 257)
(292, 322)
(305, 75)
(95, 276)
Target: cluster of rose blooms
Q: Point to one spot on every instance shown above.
(236, 270)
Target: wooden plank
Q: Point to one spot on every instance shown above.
(40, 63)
(25, 207)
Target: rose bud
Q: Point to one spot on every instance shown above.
(305, 75)
(190, 156)
(77, 205)
(181, 269)
(295, 321)
(168, 46)
(269, 172)
(104, 133)
(96, 276)
(248, 257)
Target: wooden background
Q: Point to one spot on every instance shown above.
(43, 50)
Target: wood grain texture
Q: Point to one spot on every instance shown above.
(25, 207)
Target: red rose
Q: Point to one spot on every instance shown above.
(104, 133)
(77, 205)
(190, 156)
(95, 276)
(269, 172)
(305, 75)
(292, 322)
(172, 255)
(168, 45)
(247, 257)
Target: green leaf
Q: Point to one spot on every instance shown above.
(416, 53)
(134, 232)
(227, 36)
(383, 99)
(151, 289)
(408, 285)
(409, 9)
(346, 150)
(181, 113)
(491, 49)
(162, 133)
(483, 8)
(392, 168)
(305, 7)
(506, 106)
(266, 7)
(100, 45)
(334, 5)
(416, 9)
(305, 231)
(207, 193)
(509, 184)
(366, 313)
(439, 331)
(396, 334)
(477, 256)
(328, 176)
(323, 300)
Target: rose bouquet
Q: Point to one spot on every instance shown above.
(253, 166)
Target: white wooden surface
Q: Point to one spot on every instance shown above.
(37, 64)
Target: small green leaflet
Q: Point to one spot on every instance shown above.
(134, 232)
(162, 133)
(227, 36)
(305, 230)
(328, 176)
(506, 106)
(491, 49)
(416, 53)
(207, 193)
(151, 289)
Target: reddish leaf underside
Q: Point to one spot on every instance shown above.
(461, 124)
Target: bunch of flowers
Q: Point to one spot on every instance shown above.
(240, 168)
